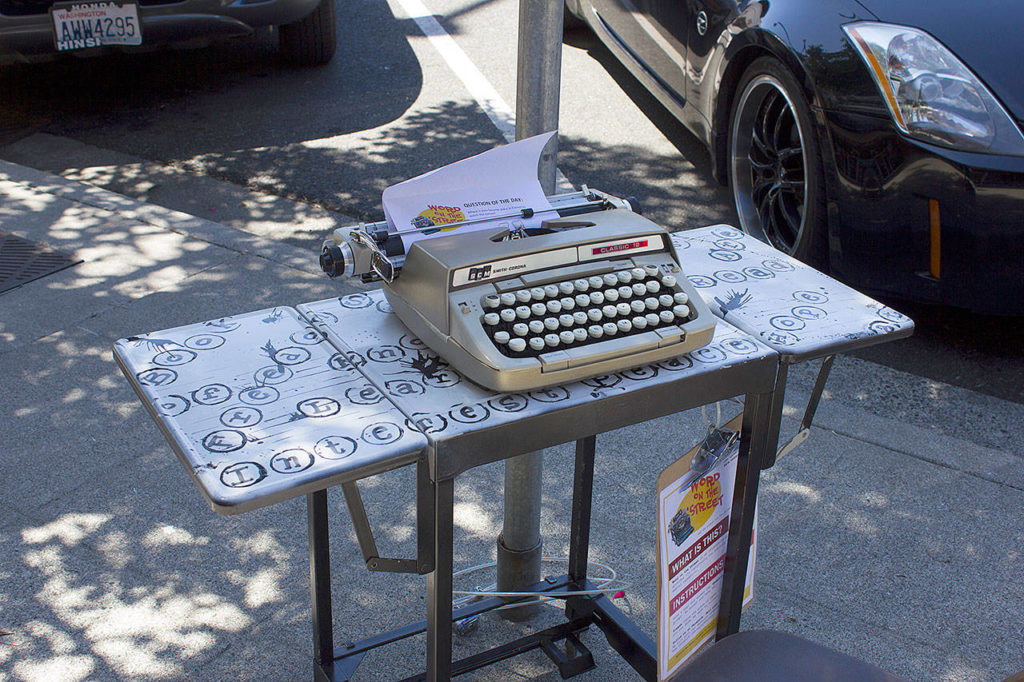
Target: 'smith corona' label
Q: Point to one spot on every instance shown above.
(509, 267)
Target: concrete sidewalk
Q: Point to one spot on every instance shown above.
(893, 534)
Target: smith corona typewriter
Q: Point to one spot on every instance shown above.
(596, 289)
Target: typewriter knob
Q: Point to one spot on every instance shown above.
(332, 261)
(634, 205)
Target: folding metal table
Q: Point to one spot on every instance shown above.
(277, 403)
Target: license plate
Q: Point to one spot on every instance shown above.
(95, 24)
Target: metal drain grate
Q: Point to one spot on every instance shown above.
(22, 261)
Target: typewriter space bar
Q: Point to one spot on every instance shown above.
(610, 349)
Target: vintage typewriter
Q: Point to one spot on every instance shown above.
(595, 289)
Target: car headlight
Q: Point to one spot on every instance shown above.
(931, 94)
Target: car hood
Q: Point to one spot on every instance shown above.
(982, 34)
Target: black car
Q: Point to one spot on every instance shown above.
(881, 140)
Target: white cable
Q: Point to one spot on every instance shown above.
(471, 595)
(718, 416)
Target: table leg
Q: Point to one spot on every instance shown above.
(755, 437)
(582, 496)
(439, 585)
(320, 585)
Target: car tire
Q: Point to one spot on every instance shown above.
(312, 40)
(775, 167)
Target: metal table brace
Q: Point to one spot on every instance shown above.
(435, 518)
(778, 399)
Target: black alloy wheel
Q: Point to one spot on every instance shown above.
(775, 165)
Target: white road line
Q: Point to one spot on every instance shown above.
(500, 113)
(492, 103)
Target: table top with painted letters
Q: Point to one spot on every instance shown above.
(276, 403)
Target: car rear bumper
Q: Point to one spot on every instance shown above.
(26, 33)
(924, 223)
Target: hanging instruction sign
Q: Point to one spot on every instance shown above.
(695, 497)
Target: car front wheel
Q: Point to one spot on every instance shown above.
(310, 41)
(775, 164)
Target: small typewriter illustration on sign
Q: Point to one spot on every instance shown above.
(596, 289)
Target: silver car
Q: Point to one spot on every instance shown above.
(36, 30)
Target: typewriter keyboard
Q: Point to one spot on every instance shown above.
(580, 312)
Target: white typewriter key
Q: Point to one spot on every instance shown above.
(537, 293)
(536, 343)
(502, 337)
(566, 320)
(653, 286)
(523, 296)
(517, 345)
(507, 314)
(681, 310)
(582, 300)
(637, 306)
(624, 276)
(668, 280)
(623, 309)
(539, 309)
(594, 331)
(595, 282)
(638, 273)
(579, 333)
(550, 323)
(491, 319)
(666, 316)
(579, 317)
(639, 289)
(596, 297)
(681, 298)
(536, 326)
(551, 290)
(551, 340)
(523, 312)
(566, 337)
(595, 315)
(625, 292)
(639, 322)
(610, 279)
(566, 287)
(611, 295)
(492, 301)
(609, 311)
(520, 329)
(652, 319)
(666, 300)
(554, 306)
(651, 270)
(651, 303)
(610, 329)
(567, 303)
(581, 285)
(624, 325)
(508, 298)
